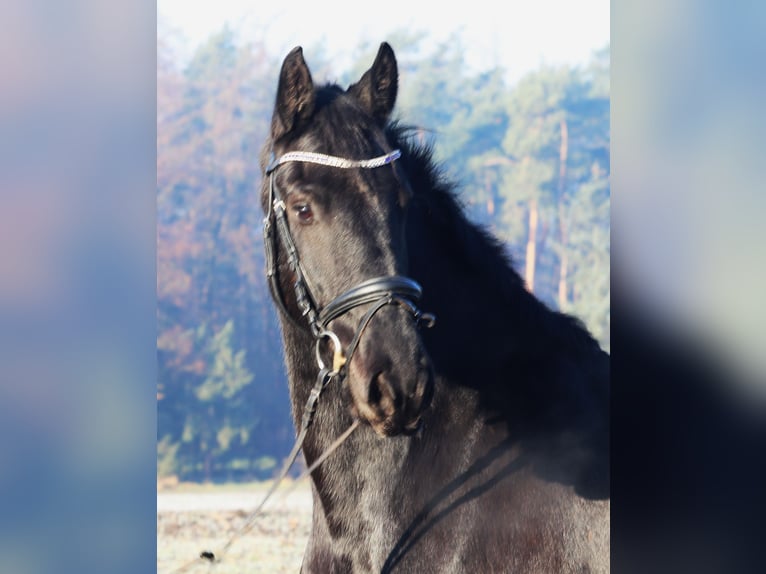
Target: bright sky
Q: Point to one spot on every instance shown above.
(517, 35)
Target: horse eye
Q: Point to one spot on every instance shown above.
(305, 215)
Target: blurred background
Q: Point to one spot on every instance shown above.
(91, 89)
(517, 110)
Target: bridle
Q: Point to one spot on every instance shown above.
(378, 291)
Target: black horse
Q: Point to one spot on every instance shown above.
(485, 447)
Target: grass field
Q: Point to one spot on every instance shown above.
(192, 518)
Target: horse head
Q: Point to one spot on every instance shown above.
(339, 259)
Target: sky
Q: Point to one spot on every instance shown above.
(520, 36)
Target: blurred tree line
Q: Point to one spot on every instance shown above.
(532, 161)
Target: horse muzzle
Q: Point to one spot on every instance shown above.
(390, 380)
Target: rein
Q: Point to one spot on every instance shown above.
(378, 292)
(210, 558)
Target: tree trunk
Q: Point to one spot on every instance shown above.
(564, 263)
(529, 273)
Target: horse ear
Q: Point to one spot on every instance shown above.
(295, 95)
(377, 88)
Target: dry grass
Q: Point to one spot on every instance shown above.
(196, 518)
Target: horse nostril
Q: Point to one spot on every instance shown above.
(374, 394)
(382, 393)
(394, 397)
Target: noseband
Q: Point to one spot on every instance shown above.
(378, 291)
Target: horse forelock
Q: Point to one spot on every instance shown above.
(341, 127)
(338, 127)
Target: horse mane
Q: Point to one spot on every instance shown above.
(481, 251)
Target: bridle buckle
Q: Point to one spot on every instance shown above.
(338, 358)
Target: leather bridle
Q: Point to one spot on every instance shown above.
(378, 291)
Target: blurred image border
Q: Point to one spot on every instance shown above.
(78, 394)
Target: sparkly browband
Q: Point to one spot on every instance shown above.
(333, 161)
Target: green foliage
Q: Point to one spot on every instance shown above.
(167, 463)
(215, 321)
(223, 410)
(556, 151)
(218, 422)
(589, 249)
(227, 373)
